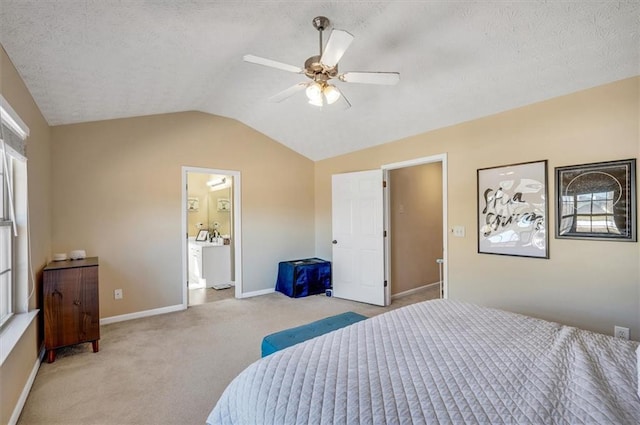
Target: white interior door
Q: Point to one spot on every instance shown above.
(358, 239)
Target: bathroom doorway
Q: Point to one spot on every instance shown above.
(211, 224)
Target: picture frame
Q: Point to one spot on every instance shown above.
(193, 204)
(203, 235)
(513, 210)
(597, 201)
(224, 204)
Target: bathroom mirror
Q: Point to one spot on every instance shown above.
(214, 193)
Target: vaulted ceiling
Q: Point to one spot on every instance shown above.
(88, 60)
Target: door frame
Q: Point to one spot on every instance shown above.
(442, 158)
(237, 228)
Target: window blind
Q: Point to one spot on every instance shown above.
(13, 140)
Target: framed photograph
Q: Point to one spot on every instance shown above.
(597, 201)
(193, 204)
(224, 204)
(513, 210)
(203, 235)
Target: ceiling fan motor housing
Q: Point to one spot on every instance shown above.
(313, 68)
(316, 71)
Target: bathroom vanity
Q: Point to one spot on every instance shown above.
(209, 264)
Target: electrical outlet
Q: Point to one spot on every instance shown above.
(620, 332)
(117, 294)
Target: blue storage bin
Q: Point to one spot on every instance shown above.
(299, 278)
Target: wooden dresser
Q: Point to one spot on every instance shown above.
(71, 308)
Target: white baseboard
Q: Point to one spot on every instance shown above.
(13, 420)
(140, 314)
(258, 293)
(414, 290)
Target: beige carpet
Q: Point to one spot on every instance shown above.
(171, 369)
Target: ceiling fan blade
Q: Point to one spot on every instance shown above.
(272, 64)
(338, 43)
(388, 78)
(284, 94)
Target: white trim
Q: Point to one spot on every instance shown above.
(414, 290)
(237, 228)
(13, 420)
(184, 236)
(415, 161)
(14, 153)
(141, 314)
(13, 331)
(258, 293)
(445, 226)
(386, 216)
(12, 119)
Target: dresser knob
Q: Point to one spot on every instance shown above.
(76, 302)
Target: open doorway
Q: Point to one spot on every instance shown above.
(416, 220)
(363, 260)
(212, 243)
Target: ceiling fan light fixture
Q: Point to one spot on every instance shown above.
(317, 102)
(331, 93)
(314, 92)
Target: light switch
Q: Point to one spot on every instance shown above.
(458, 231)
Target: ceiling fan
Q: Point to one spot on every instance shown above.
(324, 67)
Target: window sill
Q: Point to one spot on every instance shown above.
(13, 331)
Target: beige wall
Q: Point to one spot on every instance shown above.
(17, 367)
(592, 284)
(117, 194)
(416, 225)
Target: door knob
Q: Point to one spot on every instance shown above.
(334, 242)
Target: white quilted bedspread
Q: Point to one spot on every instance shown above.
(441, 362)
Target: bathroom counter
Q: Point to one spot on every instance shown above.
(207, 244)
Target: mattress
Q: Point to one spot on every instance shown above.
(441, 362)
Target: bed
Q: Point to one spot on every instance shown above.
(442, 362)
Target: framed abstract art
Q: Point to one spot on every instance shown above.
(513, 210)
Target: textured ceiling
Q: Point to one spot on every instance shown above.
(88, 60)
